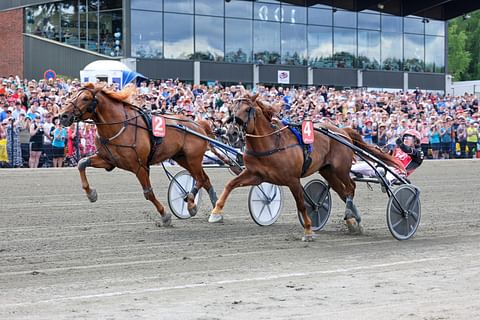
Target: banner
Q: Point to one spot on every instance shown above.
(283, 76)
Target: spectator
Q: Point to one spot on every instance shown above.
(36, 140)
(58, 143)
(472, 139)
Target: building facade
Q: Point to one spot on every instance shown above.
(350, 43)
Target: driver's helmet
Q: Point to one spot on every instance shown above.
(412, 133)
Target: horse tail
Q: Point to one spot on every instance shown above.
(374, 150)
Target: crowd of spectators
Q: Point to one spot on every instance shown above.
(31, 136)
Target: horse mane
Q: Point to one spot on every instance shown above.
(125, 95)
(268, 109)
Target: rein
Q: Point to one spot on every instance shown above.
(266, 135)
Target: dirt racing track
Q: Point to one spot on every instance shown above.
(62, 257)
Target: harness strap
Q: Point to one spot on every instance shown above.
(259, 154)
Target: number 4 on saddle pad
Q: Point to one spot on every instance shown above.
(158, 126)
(307, 132)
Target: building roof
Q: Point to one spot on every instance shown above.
(433, 9)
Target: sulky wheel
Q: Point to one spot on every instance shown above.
(318, 202)
(265, 203)
(403, 217)
(178, 189)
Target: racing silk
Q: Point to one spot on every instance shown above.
(411, 158)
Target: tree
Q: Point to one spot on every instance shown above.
(458, 57)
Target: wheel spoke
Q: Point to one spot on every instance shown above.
(395, 225)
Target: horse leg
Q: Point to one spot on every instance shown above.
(92, 161)
(246, 178)
(297, 192)
(143, 177)
(201, 181)
(345, 188)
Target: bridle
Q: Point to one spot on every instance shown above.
(91, 108)
(250, 113)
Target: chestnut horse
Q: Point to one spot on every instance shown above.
(274, 155)
(124, 141)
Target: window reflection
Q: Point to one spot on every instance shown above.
(43, 21)
(239, 9)
(435, 28)
(344, 47)
(209, 7)
(413, 53)
(413, 25)
(178, 36)
(111, 38)
(320, 16)
(268, 12)
(238, 40)
(147, 34)
(368, 21)
(266, 42)
(320, 46)
(391, 24)
(294, 44)
(208, 38)
(345, 19)
(391, 51)
(181, 6)
(434, 54)
(294, 14)
(147, 5)
(368, 49)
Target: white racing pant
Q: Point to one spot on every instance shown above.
(363, 168)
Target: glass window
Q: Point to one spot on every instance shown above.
(181, 6)
(343, 18)
(391, 23)
(266, 42)
(209, 7)
(294, 14)
(44, 21)
(238, 40)
(392, 51)
(209, 38)
(146, 34)
(320, 46)
(111, 37)
(239, 9)
(147, 5)
(69, 23)
(267, 12)
(294, 44)
(368, 49)
(413, 52)
(344, 48)
(92, 32)
(413, 25)
(368, 21)
(110, 4)
(320, 16)
(435, 28)
(178, 36)
(434, 54)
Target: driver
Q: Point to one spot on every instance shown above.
(407, 151)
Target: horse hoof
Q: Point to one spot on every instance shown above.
(92, 196)
(193, 210)
(351, 225)
(307, 238)
(167, 220)
(215, 218)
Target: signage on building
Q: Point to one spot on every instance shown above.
(283, 76)
(50, 75)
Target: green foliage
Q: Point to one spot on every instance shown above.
(464, 47)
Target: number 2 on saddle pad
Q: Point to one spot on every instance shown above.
(307, 132)
(158, 126)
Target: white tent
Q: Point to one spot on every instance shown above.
(110, 71)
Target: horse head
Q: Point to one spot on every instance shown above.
(249, 109)
(81, 105)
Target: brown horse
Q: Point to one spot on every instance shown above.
(124, 141)
(274, 155)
